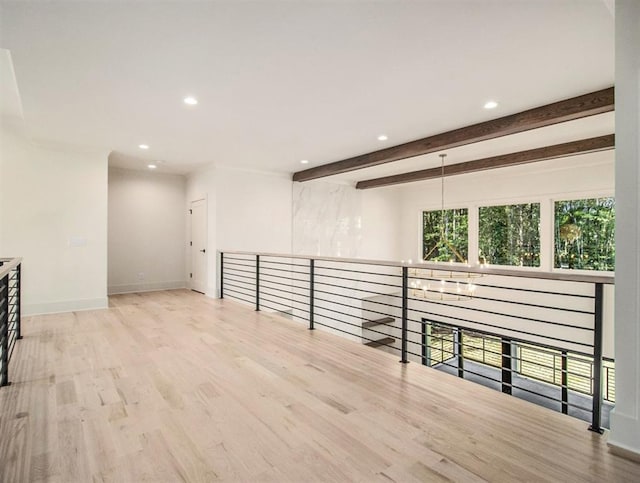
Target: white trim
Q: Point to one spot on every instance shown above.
(583, 195)
(626, 429)
(518, 267)
(202, 169)
(65, 306)
(467, 207)
(541, 225)
(580, 271)
(145, 287)
(546, 235)
(66, 147)
(575, 197)
(188, 242)
(146, 173)
(529, 200)
(241, 169)
(473, 235)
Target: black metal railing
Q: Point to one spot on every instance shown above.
(556, 379)
(609, 380)
(534, 335)
(10, 330)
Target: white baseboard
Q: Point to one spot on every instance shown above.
(145, 287)
(625, 434)
(624, 451)
(210, 290)
(64, 306)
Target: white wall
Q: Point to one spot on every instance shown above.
(579, 176)
(327, 219)
(246, 210)
(54, 214)
(146, 234)
(253, 211)
(381, 235)
(625, 419)
(334, 219)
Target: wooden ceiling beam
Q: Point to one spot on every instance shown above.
(546, 153)
(567, 110)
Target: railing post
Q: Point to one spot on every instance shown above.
(424, 339)
(257, 282)
(18, 302)
(458, 339)
(607, 376)
(597, 361)
(405, 290)
(312, 265)
(221, 275)
(4, 331)
(565, 383)
(506, 365)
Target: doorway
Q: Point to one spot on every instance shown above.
(198, 276)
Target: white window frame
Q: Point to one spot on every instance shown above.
(570, 197)
(524, 201)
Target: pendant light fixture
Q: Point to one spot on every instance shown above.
(438, 284)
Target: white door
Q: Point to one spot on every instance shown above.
(199, 245)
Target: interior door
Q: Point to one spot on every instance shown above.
(199, 246)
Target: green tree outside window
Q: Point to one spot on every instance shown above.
(445, 240)
(584, 234)
(510, 235)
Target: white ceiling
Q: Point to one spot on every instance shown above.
(281, 81)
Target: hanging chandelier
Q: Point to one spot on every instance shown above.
(443, 289)
(439, 284)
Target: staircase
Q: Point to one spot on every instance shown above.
(376, 323)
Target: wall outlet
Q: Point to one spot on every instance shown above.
(140, 275)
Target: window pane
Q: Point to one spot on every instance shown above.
(510, 235)
(584, 234)
(447, 240)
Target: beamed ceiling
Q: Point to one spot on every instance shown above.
(278, 82)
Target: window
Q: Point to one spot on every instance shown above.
(584, 234)
(510, 235)
(445, 240)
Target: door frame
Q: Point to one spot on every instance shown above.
(190, 246)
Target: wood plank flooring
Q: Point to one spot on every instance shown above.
(173, 386)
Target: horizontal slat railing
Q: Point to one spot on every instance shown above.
(531, 334)
(10, 322)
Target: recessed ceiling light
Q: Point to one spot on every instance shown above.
(151, 166)
(143, 146)
(490, 105)
(304, 161)
(192, 101)
(382, 137)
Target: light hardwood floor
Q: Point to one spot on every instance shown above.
(173, 386)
